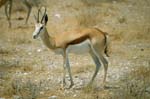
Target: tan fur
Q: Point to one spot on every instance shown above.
(90, 40)
(2, 2)
(96, 37)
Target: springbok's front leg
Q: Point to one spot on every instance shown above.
(67, 65)
(64, 71)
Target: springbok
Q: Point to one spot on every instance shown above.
(90, 40)
(28, 3)
(8, 6)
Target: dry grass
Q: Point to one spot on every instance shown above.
(29, 71)
(82, 69)
(137, 84)
(23, 89)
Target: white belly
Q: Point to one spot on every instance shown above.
(80, 48)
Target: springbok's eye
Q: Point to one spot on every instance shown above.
(41, 28)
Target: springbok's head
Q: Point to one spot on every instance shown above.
(40, 25)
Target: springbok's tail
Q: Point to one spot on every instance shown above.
(106, 51)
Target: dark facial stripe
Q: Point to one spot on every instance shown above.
(39, 31)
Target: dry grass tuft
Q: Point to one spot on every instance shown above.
(9, 90)
(82, 69)
(5, 51)
(26, 68)
(23, 89)
(22, 66)
(137, 84)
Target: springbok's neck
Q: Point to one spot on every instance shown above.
(48, 40)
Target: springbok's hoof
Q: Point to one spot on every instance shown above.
(71, 86)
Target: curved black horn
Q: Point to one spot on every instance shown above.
(43, 15)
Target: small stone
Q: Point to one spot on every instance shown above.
(25, 73)
(29, 53)
(39, 50)
(57, 15)
(148, 89)
(42, 93)
(2, 98)
(114, 2)
(16, 97)
(74, 95)
(135, 57)
(52, 97)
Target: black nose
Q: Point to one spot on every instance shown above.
(34, 36)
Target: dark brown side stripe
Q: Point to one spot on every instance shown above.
(78, 40)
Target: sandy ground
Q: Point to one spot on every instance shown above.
(28, 70)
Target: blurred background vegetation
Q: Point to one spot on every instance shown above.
(29, 71)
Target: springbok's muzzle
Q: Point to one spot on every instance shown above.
(35, 36)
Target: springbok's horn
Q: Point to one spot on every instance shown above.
(43, 15)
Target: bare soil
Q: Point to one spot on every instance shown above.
(28, 70)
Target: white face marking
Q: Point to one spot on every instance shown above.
(38, 30)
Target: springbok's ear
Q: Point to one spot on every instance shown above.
(46, 19)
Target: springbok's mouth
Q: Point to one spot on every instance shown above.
(35, 36)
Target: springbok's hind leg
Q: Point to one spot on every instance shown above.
(29, 7)
(105, 63)
(98, 65)
(8, 7)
